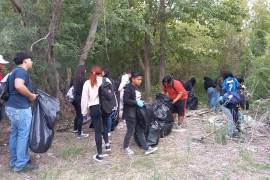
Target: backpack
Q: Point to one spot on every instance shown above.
(107, 97)
(4, 95)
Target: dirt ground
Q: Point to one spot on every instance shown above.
(179, 155)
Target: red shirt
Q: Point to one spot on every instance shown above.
(175, 90)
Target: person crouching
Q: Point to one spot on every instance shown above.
(132, 101)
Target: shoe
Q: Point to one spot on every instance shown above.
(82, 135)
(128, 151)
(98, 158)
(27, 167)
(108, 148)
(74, 131)
(150, 150)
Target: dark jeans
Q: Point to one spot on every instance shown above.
(78, 121)
(234, 110)
(131, 126)
(99, 127)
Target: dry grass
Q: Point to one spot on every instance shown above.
(178, 157)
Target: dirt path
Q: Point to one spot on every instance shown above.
(178, 156)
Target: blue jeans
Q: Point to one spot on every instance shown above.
(109, 123)
(20, 123)
(213, 96)
(231, 126)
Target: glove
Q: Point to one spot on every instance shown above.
(140, 103)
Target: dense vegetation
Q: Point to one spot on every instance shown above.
(183, 37)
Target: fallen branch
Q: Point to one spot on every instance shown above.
(44, 38)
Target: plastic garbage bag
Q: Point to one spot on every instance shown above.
(153, 134)
(192, 101)
(45, 113)
(162, 114)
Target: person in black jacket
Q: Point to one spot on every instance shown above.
(77, 82)
(132, 101)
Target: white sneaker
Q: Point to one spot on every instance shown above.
(98, 158)
(128, 151)
(74, 131)
(150, 150)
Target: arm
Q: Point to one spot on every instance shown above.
(127, 98)
(22, 89)
(85, 98)
(179, 96)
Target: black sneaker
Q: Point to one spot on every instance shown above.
(98, 158)
(28, 167)
(108, 148)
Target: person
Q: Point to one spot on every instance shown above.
(77, 82)
(192, 101)
(19, 113)
(190, 84)
(230, 101)
(132, 100)
(108, 100)
(3, 64)
(212, 93)
(244, 94)
(178, 95)
(124, 81)
(90, 101)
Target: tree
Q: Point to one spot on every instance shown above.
(92, 33)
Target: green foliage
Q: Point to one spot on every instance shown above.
(201, 37)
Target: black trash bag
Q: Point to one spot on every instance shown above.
(143, 117)
(45, 113)
(192, 102)
(153, 134)
(115, 119)
(162, 114)
(165, 128)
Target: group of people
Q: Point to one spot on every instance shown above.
(99, 97)
(228, 94)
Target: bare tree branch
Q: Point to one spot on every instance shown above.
(34, 43)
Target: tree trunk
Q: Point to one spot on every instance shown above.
(56, 7)
(162, 31)
(92, 33)
(17, 5)
(147, 75)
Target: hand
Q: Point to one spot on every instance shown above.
(220, 99)
(140, 103)
(33, 97)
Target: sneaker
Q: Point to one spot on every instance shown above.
(74, 131)
(98, 158)
(28, 167)
(150, 150)
(108, 148)
(82, 135)
(128, 151)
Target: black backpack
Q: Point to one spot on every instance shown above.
(107, 97)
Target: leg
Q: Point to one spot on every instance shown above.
(180, 108)
(24, 126)
(13, 118)
(109, 123)
(97, 122)
(131, 123)
(141, 137)
(79, 116)
(230, 123)
(75, 119)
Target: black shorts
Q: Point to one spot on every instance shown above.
(179, 107)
